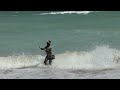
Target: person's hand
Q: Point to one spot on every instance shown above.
(41, 48)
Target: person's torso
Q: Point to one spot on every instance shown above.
(48, 50)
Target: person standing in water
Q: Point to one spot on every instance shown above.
(49, 54)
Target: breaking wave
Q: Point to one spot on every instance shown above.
(101, 57)
(19, 61)
(66, 12)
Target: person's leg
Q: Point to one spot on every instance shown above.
(49, 58)
(46, 59)
(50, 61)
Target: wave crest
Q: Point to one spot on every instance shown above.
(66, 12)
(100, 58)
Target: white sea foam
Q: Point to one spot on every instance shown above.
(100, 58)
(66, 12)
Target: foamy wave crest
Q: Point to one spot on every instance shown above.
(101, 57)
(66, 12)
(20, 61)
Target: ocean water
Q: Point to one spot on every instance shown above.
(86, 44)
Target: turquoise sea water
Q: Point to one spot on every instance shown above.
(23, 31)
(86, 44)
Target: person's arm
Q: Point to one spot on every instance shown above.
(42, 48)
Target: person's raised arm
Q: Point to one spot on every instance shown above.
(42, 48)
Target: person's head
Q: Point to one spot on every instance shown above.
(48, 43)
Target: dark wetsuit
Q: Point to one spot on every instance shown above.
(48, 51)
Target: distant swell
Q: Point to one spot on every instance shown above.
(66, 12)
(101, 57)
